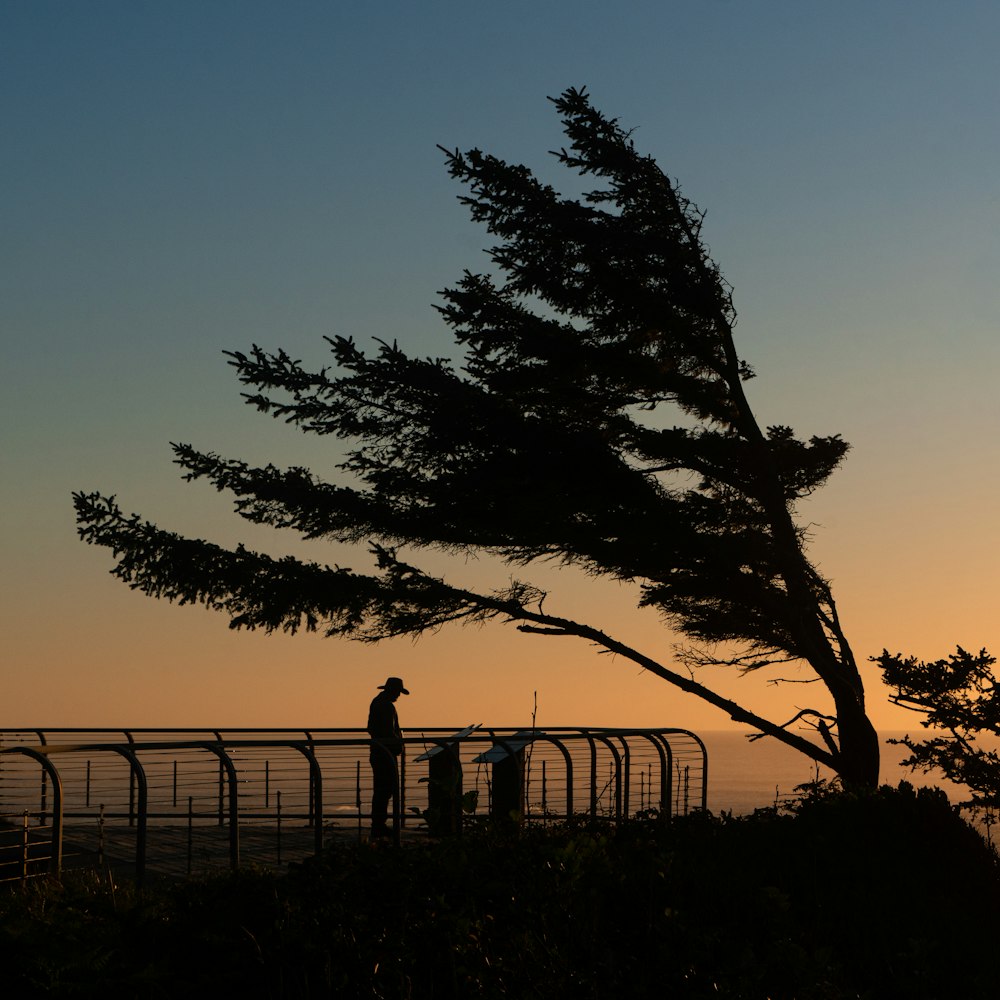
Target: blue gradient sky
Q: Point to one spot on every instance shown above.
(183, 178)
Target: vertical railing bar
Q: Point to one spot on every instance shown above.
(226, 762)
(312, 800)
(593, 776)
(316, 785)
(526, 779)
(666, 775)
(545, 801)
(138, 814)
(24, 845)
(221, 786)
(131, 783)
(100, 836)
(220, 795)
(623, 798)
(401, 800)
(278, 796)
(614, 773)
(357, 794)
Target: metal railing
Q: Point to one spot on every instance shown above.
(176, 801)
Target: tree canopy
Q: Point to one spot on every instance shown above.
(959, 699)
(548, 442)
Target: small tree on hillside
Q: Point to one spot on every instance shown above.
(959, 699)
(547, 444)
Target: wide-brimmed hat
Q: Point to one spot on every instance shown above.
(393, 684)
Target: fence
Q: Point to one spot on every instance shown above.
(177, 801)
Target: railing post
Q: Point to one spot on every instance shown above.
(593, 776)
(624, 793)
(131, 784)
(545, 801)
(138, 813)
(100, 835)
(279, 826)
(316, 789)
(221, 795)
(312, 794)
(24, 846)
(226, 762)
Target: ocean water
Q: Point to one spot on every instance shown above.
(744, 775)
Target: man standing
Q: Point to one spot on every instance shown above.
(387, 745)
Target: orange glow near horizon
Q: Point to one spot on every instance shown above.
(127, 660)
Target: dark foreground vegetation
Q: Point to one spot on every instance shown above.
(888, 894)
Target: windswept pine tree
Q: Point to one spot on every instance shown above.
(549, 442)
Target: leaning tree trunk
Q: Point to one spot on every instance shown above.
(858, 756)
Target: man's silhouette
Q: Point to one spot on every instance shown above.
(387, 745)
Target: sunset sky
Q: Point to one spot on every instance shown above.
(182, 178)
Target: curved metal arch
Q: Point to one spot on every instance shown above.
(51, 771)
(138, 810)
(308, 750)
(666, 733)
(604, 737)
(226, 762)
(666, 759)
(568, 760)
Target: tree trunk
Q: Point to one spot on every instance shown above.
(858, 759)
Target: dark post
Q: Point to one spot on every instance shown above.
(507, 805)
(444, 793)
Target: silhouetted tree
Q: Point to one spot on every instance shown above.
(959, 697)
(547, 444)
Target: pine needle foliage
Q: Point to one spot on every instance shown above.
(597, 420)
(958, 698)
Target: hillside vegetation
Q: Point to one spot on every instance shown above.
(887, 894)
